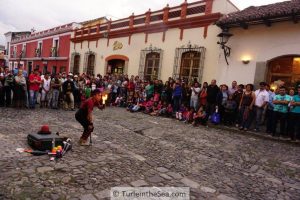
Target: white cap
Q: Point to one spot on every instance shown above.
(70, 74)
(75, 76)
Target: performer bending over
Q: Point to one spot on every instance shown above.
(84, 115)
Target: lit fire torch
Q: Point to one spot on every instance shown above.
(104, 98)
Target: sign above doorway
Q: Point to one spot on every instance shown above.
(117, 45)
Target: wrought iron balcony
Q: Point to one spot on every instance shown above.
(54, 52)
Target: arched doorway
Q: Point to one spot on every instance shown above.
(151, 66)
(116, 64)
(190, 62)
(76, 64)
(91, 64)
(284, 68)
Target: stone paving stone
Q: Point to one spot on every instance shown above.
(136, 156)
(155, 179)
(294, 186)
(162, 169)
(290, 164)
(229, 164)
(88, 197)
(139, 183)
(224, 197)
(66, 179)
(44, 169)
(208, 189)
(165, 176)
(190, 183)
(77, 163)
(103, 194)
(174, 175)
(274, 180)
(254, 168)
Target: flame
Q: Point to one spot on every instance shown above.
(104, 98)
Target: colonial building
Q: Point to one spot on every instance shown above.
(47, 50)
(175, 41)
(265, 44)
(9, 36)
(2, 56)
(75, 57)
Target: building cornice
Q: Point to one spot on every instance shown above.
(186, 23)
(39, 59)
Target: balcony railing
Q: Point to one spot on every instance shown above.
(38, 53)
(22, 54)
(54, 52)
(168, 14)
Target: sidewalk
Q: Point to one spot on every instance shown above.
(261, 134)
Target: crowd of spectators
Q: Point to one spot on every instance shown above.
(191, 102)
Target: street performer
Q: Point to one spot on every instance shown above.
(84, 115)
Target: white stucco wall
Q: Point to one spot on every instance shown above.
(172, 41)
(260, 44)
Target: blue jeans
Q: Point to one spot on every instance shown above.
(33, 95)
(26, 99)
(194, 103)
(258, 112)
(55, 97)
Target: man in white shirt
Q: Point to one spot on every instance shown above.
(194, 97)
(261, 101)
(233, 88)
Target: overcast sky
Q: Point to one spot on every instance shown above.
(22, 15)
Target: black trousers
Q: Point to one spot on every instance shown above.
(210, 109)
(81, 117)
(2, 99)
(282, 119)
(269, 120)
(229, 117)
(293, 128)
(7, 90)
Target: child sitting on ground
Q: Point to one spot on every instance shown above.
(169, 111)
(179, 114)
(137, 106)
(130, 104)
(163, 109)
(188, 117)
(199, 117)
(149, 106)
(156, 108)
(118, 100)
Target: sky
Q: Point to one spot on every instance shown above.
(23, 15)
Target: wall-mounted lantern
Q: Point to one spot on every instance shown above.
(223, 39)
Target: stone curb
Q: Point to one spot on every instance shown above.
(254, 134)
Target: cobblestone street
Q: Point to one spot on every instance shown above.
(140, 150)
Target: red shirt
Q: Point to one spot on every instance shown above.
(89, 105)
(34, 86)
